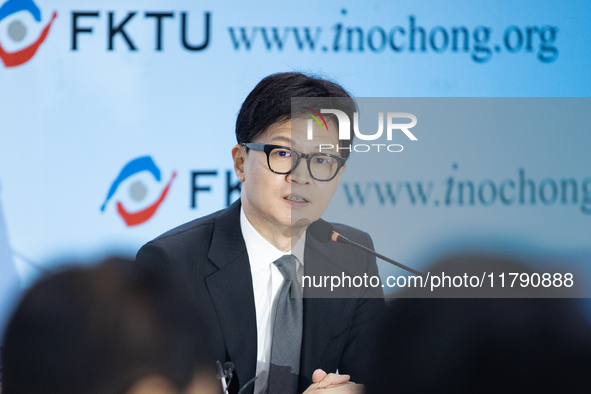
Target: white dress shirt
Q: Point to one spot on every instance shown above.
(266, 282)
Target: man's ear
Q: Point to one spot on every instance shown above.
(239, 157)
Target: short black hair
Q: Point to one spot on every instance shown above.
(270, 102)
(100, 329)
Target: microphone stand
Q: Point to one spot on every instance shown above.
(336, 237)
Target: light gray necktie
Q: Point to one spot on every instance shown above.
(287, 331)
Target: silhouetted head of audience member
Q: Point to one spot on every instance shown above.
(114, 328)
(486, 345)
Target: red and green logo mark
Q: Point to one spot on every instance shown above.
(316, 115)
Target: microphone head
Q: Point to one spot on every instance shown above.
(321, 230)
(229, 366)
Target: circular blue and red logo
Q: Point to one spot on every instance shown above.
(138, 190)
(18, 30)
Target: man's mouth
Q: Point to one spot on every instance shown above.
(296, 199)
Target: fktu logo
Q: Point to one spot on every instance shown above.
(19, 18)
(138, 191)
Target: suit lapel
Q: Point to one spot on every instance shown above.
(231, 292)
(318, 312)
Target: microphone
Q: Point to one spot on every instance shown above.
(228, 369)
(225, 373)
(323, 232)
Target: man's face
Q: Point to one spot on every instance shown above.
(281, 203)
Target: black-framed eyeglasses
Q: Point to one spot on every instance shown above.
(283, 160)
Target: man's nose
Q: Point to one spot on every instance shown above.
(300, 174)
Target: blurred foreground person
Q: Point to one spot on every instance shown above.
(495, 345)
(111, 329)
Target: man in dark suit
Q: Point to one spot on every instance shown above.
(237, 261)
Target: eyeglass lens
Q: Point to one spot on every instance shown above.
(284, 160)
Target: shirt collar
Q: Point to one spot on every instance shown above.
(261, 252)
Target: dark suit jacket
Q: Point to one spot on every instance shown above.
(209, 255)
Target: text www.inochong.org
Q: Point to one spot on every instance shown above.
(480, 42)
(519, 190)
